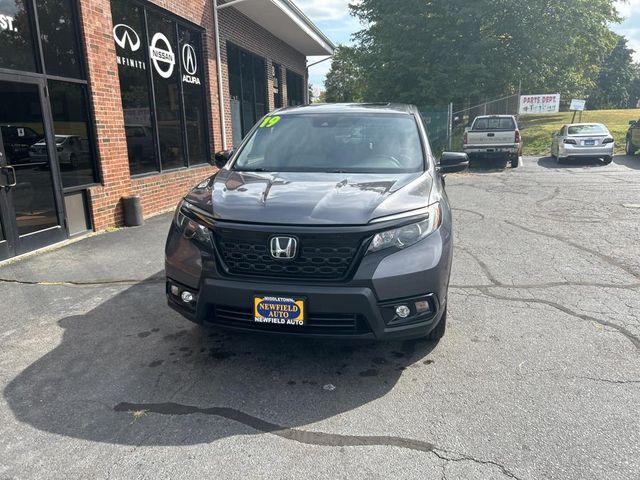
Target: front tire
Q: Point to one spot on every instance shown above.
(438, 332)
(607, 160)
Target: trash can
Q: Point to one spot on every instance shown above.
(132, 211)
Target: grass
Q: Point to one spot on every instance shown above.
(537, 129)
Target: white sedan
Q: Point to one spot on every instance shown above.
(583, 140)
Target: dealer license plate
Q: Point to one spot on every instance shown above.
(275, 310)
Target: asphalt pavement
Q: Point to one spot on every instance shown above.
(537, 377)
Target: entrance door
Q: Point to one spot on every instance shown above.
(31, 213)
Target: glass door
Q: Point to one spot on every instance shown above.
(30, 202)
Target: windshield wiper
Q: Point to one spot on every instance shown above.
(250, 170)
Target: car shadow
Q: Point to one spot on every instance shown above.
(487, 165)
(549, 162)
(133, 372)
(629, 161)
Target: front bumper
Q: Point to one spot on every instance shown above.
(492, 150)
(361, 308)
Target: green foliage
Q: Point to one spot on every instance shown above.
(431, 52)
(615, 84)
(344, 81)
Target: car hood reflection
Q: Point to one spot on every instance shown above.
(311, 198)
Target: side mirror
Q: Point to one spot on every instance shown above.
(633, 122)
(452, 162)
(220, 159)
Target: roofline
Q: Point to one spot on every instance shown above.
(295, 10)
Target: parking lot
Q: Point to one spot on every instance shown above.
(538, 375)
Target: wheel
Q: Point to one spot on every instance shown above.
(438, 332)
(607, 160)
(630, 147)
(515, 162)
(560, 160)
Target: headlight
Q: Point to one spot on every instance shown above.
(408, 235)
(190, 228)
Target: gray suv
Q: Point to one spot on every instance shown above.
(328, 221)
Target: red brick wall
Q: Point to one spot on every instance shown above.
(160, 192)
(242, 31)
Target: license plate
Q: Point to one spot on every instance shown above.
(589, 143)
(276, 310)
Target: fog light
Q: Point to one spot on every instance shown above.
(175, 291)
(403, 311)
(187, 297)
(422, 306)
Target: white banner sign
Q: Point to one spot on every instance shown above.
(577, 105)
(530, 104)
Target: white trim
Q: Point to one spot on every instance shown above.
(303, 25)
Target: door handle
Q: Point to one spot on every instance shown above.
(13, 173)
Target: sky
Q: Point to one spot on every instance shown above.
(332, 17)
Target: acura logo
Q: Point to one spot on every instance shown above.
(125, 35)
(189, 59)
(284, 247)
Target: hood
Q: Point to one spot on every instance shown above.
(310, 198)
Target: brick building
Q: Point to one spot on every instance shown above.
(103, 99)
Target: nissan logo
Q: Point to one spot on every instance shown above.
(162, 55)
(189, 61)
(125, 35)
(284, 248)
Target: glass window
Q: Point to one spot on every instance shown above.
(248, 89)
(128, 33)
(162, 52)
(193, 82)
(295, 89)
(69, 110)
(494, 124)
(59, 38)
(588, 130)
(352, 143)
(16, 41)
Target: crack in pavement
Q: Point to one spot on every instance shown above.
(531, 286)
(466, 210)
(71, 283)
(304, 436)
(606, 258)
(605, 323)
(549, 198)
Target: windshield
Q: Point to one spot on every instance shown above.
(352, 143)
(587, 130)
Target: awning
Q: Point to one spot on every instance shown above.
(284, 20)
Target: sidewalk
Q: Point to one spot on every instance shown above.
(125, 255)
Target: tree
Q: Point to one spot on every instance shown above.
(615, 83)
(344, 82)
(431, 52)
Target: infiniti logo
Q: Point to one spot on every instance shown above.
(189, 59)
(284, 247)
(125, 35)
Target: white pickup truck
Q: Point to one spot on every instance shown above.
(494, 136)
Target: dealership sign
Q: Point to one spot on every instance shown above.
(163, 58)
(6, 23)
(190, 65)
(530, 104)
(129, 41)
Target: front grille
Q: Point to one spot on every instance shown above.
(323, 256)
(316, 324)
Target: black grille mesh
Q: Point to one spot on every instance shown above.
(320, 257)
